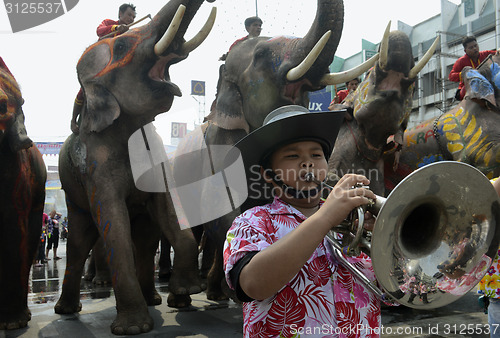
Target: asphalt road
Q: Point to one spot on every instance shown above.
(463, 318)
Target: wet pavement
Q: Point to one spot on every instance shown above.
(204, 318)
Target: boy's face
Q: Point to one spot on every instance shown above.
(292, 162)
(254, 29)
(352, 85)
(126, 17)
(472, 50)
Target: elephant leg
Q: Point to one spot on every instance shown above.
(217, 288)
(146, 234)
(90, 270)
(102, 275)
(17, 252)
(112, 218)
(208, 255)
(216, 284)
(185, 279)
(165, 261)
(81, 238)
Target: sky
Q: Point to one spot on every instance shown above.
(43, 59)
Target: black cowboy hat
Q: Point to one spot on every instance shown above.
(282, 126)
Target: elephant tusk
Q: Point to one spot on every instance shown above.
(299, 71)
(342, 77)
(384, 47)
(420, 65)
(192, 44)
(167, 38)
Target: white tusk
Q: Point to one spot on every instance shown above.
(384, 47)
(299, 71)
(192, 44)
(348, 75)
(172, 29)
(420, 65)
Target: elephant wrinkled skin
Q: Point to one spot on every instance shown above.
(126, 84)
(22, 197)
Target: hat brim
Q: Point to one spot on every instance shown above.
(314, 125)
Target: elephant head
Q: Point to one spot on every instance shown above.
(261, 74)
(11, 114)
(378, 109)
(129, 74)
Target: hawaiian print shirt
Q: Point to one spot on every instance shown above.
(322, 300)
(490, 284)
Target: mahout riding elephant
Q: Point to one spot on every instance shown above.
(126, 83)
(378, 110)
(467, 133)
(258, 76)
(22, 197)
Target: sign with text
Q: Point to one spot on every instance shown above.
(319, 100)
(27, 14)
(179, 130)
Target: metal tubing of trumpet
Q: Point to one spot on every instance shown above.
(337, 249)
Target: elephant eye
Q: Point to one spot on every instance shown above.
(119, 50)
(3, 107)
(260, 57)
(123, 47)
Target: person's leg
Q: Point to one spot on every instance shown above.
(494, 317)
(49, 246)
(55, 243)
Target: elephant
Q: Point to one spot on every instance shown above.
(22, 185)
(126, 83)
(467, 133)
(377, 110)
(259, 75)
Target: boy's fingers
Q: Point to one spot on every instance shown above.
(354, 179)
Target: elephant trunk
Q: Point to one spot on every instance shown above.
(329, 16)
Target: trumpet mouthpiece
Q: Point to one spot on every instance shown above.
(309, 177)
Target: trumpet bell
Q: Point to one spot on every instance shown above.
(436, 235)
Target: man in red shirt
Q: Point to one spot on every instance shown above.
(351, 86)
(126, 16)
(473, 58)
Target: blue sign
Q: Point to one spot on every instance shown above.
(198, 88)
(319, 100)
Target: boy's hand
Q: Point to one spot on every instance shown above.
(345, 197)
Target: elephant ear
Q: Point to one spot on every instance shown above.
(101, 109)
(228, 112)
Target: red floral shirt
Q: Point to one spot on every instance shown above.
(322, 300)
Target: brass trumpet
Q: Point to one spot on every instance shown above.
(436, 231)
